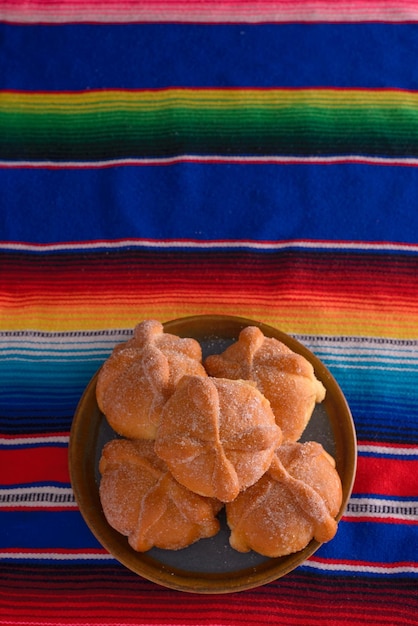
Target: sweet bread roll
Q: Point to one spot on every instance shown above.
(285, 378)
(217, 436)
(141, 499)
(141, 374)
(295, 501)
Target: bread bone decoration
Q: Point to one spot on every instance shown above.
(141, 374)
(142, 500)
(294, 502)
(217, 436)
(285, 378)
(198, 441)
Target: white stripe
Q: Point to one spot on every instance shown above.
(369, 569)
(38, 440)
(371, 360)
(382, 509)
(86, 345)
(61, 358)
(374, 366)
(194, 244)
(57, 348)
(103, 339)
(190, 158)
(342, 359)
(82, 357)
(364, 353)
(388, 450)
(83, 340)
(39, 497)
(363, 344)
(37, 336)
(53, 348)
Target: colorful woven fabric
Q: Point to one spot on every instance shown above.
(170, 125)
(165, 159)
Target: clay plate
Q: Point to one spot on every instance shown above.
(210, 565)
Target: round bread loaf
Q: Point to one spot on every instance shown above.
(142, 500)
(294, 502)
(217, 436)
(141, 374)
(285, 378)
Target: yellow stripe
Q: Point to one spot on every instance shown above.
(79, 102)
(336, 321)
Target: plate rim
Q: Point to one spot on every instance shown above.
(182, 580)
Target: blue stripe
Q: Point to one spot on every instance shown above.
(378, 390)
(36, 424)
(47, 371)
(25, 446)
(264, 202)
(399, 429)
(49, 483)
(48, 387)
(62, 57)
(373, 542)
(44, 387)
(45, 529)
(355, 542)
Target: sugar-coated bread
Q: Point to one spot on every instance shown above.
(295, 501)
(195, 438)
(285, 378)
(217, 436)
(142, 500)
(141, 374)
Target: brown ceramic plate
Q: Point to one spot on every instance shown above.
(209, 565)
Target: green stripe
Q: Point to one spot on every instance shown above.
(296, 130)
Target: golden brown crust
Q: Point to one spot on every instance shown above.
(142, 500)
(285, 378)
(217, 436)
(218, 439)
(141, 374)
(295, 501)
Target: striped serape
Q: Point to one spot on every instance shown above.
(165, 159)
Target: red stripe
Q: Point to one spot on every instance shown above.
(33, 465)
(380, 520)
(375, 475)
(110, 595)
(220, 89)
(378, 444)
(331, 275)
(386, 477)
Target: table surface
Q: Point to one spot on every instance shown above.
(166, 159)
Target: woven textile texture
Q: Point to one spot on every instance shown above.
(165, 159)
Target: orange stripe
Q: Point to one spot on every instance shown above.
(321, 293)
